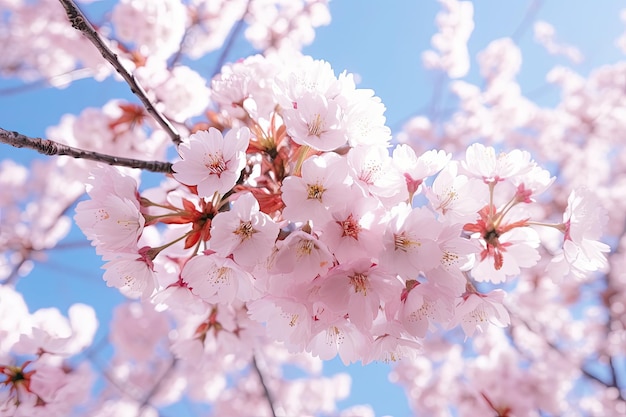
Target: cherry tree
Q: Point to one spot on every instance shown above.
(264, 218)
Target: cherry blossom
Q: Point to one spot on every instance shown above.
(323, 184)
(410, 241)
(211, 161)
(244, 232)
(292, 227)
(216, 279)
(132, 273)
(582, 221)
(315, 121)
(482, 162)
(477, 311)
(111, 219)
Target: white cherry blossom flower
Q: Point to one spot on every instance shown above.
(583, 222)
(482, 162)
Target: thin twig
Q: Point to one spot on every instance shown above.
(58, 81)
(49, 147)
(13, 275)
(81, 23)
(266, 391)
(583, 370)
(529, 16)
(230, 41)
(155, 388)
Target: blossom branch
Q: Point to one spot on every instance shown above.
(81, 23)
(266, 391)
(49, 147)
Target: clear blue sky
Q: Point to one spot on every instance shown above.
(380, 41)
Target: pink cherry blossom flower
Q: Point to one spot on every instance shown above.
(364, 115)
(244, 232)
(545, 35)
(354, 230)
(132, 273)
(155, 28)
(338, 337)
(315, 121)
(216, 279)
(391, 343)
(374, 171)
(285, 319)
(357, 289)
(507, 245)
(245, 87)
(323, 184)
(502, 257)
(111, 219)
(477, 311)
(415, 169)
(211, 161)
(482, 162)
(455, 196)
(532, 183)
(455, 23)
(410, 241)
(583, 222)
(425, 305)
(304, 76)
(302, 256)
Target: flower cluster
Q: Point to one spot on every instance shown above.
(291, 228)
(298, 213)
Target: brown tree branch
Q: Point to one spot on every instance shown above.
(49, 147)
(81, 23)
(230, 41)
(266, 391)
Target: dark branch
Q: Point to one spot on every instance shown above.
(81, 23)
(529, 16)
(49, 147)
(266, 391)
(155, 388)
(230, 41)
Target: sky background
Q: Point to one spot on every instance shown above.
(380, 41)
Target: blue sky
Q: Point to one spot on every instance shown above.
(382, 43)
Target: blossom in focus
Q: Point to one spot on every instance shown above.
(211, 161)
(132, 273)
(111, 219)
(583, 222)
(323, 184)
(216, 279)
(482, 162)
(244, 232)
(315, 121)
